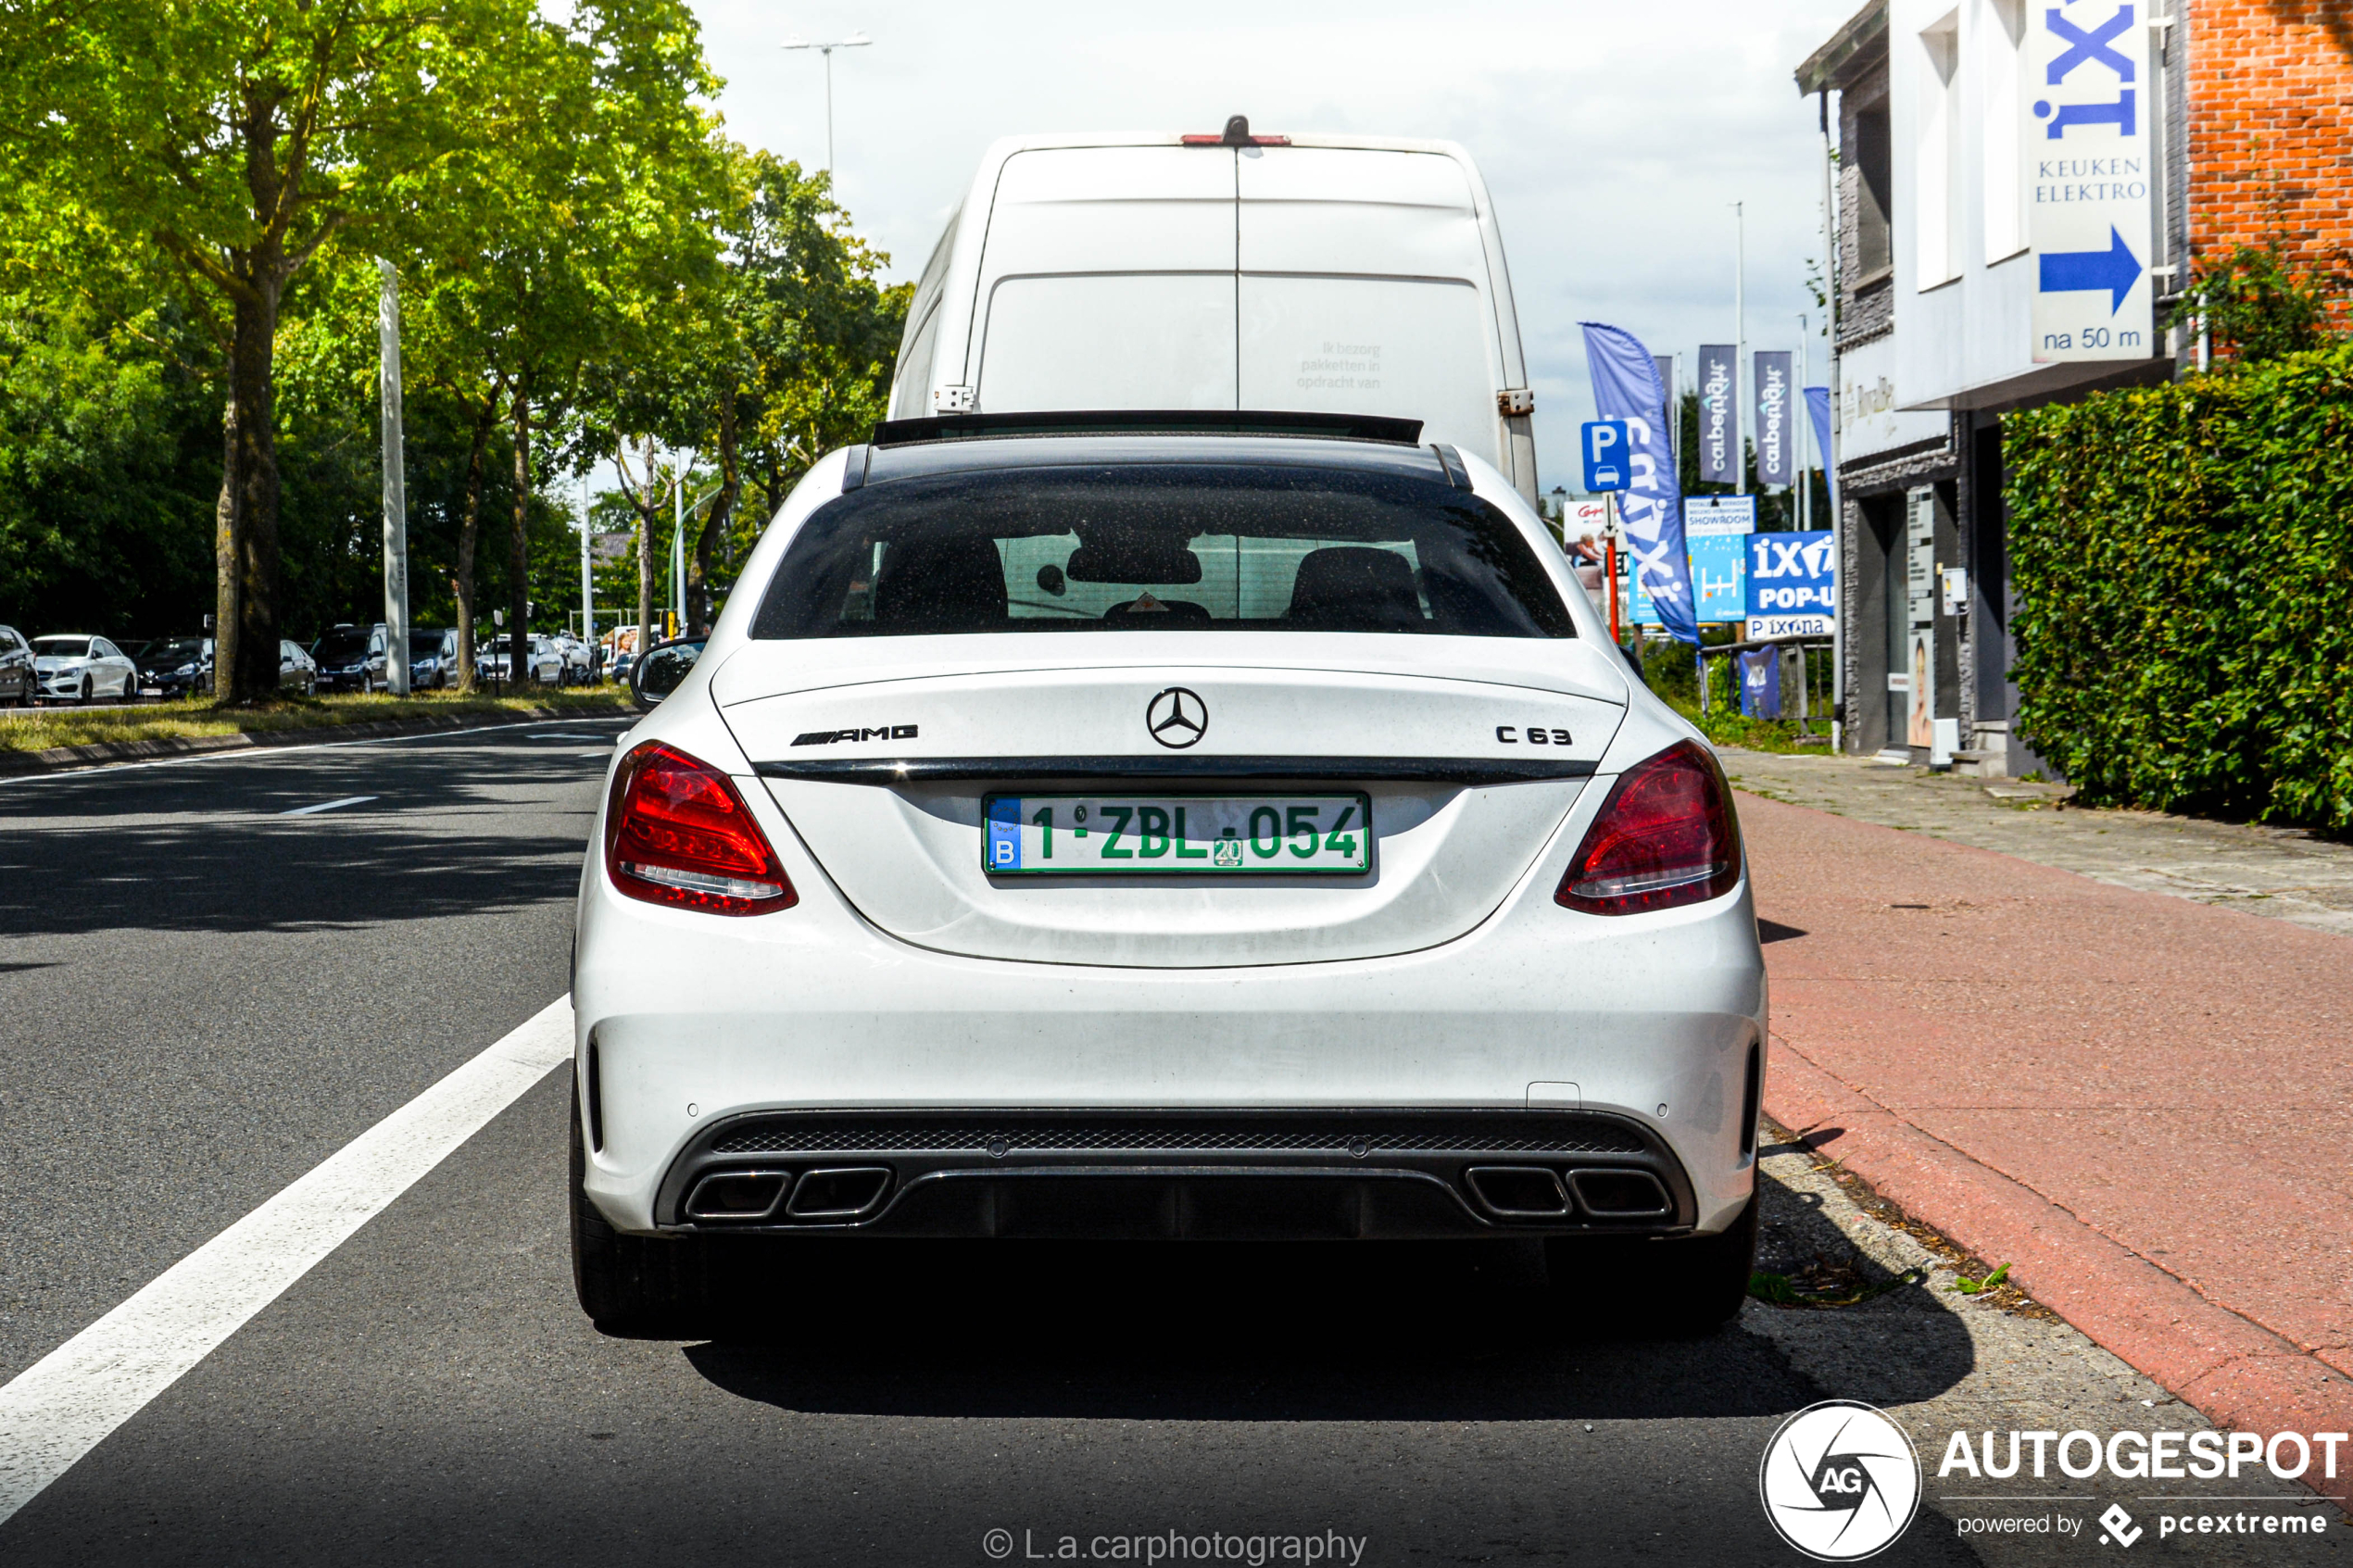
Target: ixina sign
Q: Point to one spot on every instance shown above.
(2084, 136)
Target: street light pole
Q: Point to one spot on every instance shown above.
(1804, 418)
(855, 41)
(396, 489)
(1740, 342)
(678, 550)
(588, 575)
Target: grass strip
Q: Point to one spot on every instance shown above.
(40, 729)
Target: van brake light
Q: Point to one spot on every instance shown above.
(1236, 134)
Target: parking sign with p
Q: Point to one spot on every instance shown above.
(1606, 453)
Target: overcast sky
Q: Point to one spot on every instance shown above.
(1614, 137)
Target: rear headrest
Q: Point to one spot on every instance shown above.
(935, 585)
(1355, 588)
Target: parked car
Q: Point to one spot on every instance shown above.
(297, 668)
(82, 669)
(577, 670)
(433, 659)
(492, 660)
(1348, 275)
(350, 658)
(176, 667)
(19, 683)
(1319, 872)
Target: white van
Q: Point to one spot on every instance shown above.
(1329, 274)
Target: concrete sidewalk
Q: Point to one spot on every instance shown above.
(2284, 874)
(2138, 1101)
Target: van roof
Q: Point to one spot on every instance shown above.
(880, 465)
(1042, 141)
(1154, 422)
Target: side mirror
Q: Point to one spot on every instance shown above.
(662, 670)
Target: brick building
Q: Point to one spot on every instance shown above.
(2023, 190)
(2267, 138)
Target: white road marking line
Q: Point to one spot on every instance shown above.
(281, 753)
(330, 805)
(66, 1403)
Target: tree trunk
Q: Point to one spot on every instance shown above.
(518, 547)
(715, 520)
(469, 531)
(252, 356)
(225, 546)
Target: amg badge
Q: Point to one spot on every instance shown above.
(833, 737)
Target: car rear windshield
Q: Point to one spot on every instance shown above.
(341, 647)
(61, 647)
(1160, 547)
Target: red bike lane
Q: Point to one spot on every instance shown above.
(2142, 1104)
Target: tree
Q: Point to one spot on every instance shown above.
(2253, 307)
(576, 230)
(238, 138)
(110, 428)
(791, 348)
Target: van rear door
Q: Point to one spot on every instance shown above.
(1107, 280)
(1364, 289)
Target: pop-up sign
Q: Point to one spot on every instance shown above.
(1793, 585)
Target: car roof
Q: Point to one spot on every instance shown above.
(882, 465)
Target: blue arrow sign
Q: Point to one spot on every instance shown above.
(2115, 269)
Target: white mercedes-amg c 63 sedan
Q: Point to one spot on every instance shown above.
(1117, 826)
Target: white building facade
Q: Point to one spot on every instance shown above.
(2005, 239)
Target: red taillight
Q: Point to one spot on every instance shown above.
(677, 833)
(1664, 837)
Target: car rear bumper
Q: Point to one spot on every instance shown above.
(694, 1027)
(1222, 1174)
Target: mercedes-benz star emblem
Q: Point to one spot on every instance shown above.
(1177, 717)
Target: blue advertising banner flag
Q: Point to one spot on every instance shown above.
(1719, 413)
(1761, 684)
(1776, 419)
(1817, 403)
(1626, 386)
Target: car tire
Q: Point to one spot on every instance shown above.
(650, 1287)
(1678, 1288)
(89, 691)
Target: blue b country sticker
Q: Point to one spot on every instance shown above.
(1004, 835)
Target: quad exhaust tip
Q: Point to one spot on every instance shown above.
(839, 1194)
(744, 1198)
(1537, 1192)
(1620, 1194)
(738, 1196)
(1518, 1192)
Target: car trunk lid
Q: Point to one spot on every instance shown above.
(886, 780)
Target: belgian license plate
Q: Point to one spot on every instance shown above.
(1146, 835)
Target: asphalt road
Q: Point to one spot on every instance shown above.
(202, 998)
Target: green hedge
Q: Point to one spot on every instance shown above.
(2183, 560)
